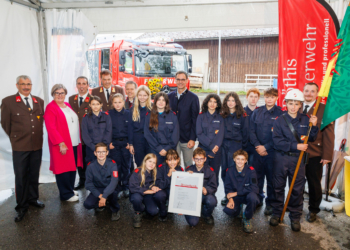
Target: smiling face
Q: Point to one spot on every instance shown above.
(24, 86)
(130, 90)
(101, 153)
(270, 100)
(199, 160)
(59, 96)
(82, 86)
(142, 96)
(181, 81)
(106, 81)
(310, 93)
(212, 104)
(161, 103)
(173, 163)
(151, 163)
(118, 103)
(231, 103)
(293, 107)
(95, 106)
(240, 161)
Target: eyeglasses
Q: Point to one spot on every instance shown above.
(101, 152)
(59, 93)
(199, 159)
(180, 80)
(25, 84)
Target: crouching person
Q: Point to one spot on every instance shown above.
(209, 200)
(102, 181)
(145, 196)
(241, 188)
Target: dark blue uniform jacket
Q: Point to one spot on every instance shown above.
(243, 183)
(163, 180)
(209, 181)
(135, 181)
(120, 124)
(137, 126)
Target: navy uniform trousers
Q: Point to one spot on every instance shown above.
(92, 201)
(208, 204)
(150, 202)
(251, 200)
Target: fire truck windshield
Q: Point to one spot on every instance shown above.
(162, 65)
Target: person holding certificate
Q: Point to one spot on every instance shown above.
(209, 187)
(144, 194)
(241, 188)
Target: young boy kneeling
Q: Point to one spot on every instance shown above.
(209, 187)
(102, 181)
(241, 188)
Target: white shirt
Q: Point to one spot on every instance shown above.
(84, 96)
(109, 91)
(73, 125)
(30, 100)
(310, 105)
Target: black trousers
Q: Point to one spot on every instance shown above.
(82, 170)
(26, 165)
(314, 171)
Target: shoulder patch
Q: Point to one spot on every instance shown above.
(147, 113)
(115, 174)
(226, 169)
(34, 100)
(256, 107)
(251, 168)
(113, 161)
(88, 163)
(188, 167)
(160, 165)
(244, 114)
(307, 115)
(106, 112)
(84, 115)
(174, 113)
(136, 170)
(182, 169)
(212, 169)
(201, 113)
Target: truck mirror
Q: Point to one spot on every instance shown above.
(190, 60)
(190, 70)
(121, 68)
(122, 57)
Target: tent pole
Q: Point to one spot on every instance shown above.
(219, 62)
(28, 4)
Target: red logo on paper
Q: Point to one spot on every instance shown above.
(115, 174)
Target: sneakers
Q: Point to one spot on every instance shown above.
(240, 216)
(162, 218)
(224, 201)
(311, 217)
(120, 195)
(137, 220)
(99, 209)
(76, 193)
(209, 220)
(274, 220)
(115, 216)
(247, 225)
(295, 225)
(126, 193)
(73, 198)
(268, 210)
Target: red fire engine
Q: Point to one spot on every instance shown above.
(138, 61)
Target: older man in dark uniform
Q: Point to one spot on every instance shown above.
(106, 91)
(22, 120)
(80, 104)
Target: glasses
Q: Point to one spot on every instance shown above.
(181, 80)
(199, 159)
(25, 84)
(60, 93)
(101, 152)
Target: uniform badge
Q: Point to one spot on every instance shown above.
(29, 109)
(216, 132)
(76, 98)
(34, 100)
(113, 89)
(115, 174)
(272, 129)
(101, 90)
(87, 99)
(18, 99)
(302, 137)
(38, 117)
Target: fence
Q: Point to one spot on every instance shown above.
(258, 81)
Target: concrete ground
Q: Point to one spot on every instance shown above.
(64, 225)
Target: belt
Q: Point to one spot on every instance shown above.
(233, 140)
(289, 153)
(119, 139)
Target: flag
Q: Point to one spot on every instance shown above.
(336, 83)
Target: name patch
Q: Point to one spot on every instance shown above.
(169, 122)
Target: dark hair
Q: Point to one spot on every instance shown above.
(171, 154)
(181, 72)
(239, 107)
(105, 72)
(199, 151)
(311, 84)
(207, 99)
(94, 98)
(271, 91)
(101, 144)
(83, 77)
(240, 152)
(153, 124)
(131, 82)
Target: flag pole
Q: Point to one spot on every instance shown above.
(299, 161)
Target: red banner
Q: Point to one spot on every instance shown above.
(307, 32)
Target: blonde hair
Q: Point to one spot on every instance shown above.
(143, 169)
(136, 113)
(118, 95)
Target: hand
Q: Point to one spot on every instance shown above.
(102, 202)
(260, 149)
(215, 149)
(111, 146)
(302, 146)
(231, 195)
(230, 204)
(171, 171)
(190, 144)
(155, 189)
(313, 120)
(131, 149)
(191, 172)
(264, 153)
(149, 192)
(127, 146)
(205, 191)
(63, 148)
(210, 156)
(162, 152)
(324, 162)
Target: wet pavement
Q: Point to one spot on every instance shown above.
(64, 225)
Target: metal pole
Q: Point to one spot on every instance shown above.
(219, 62)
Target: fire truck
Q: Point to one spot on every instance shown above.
(138, 61)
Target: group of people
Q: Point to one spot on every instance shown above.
(103, 136)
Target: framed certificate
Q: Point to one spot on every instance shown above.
(186, 193)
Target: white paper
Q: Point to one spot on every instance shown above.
(186, 193)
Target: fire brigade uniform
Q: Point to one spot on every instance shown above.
(102, 92)
(102, 180)
(234, 138)
(122, 156)
(163, 181)
(249, 147)
(245, 184)
(96, 129)
(150, 203)
(285, 161)
(136, 135)
(210, 133)
(167, 135)
(209, 201)
(261, 128)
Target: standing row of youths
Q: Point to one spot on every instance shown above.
(153, 134)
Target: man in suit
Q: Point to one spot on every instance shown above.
(106, 91)
(320, 151)
(80, 104)
(22, 120)
(130, 89)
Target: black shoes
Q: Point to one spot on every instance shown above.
(268, 210)
(37, 203)
(295, 225)
(311, 217)
(137, 220)
(224, 201)
(209, 220)
(100, 209)
(274, 220)
(162, 218)
(20, 215)
(126, 193)
(260, 204)
(115, 216)
(79, 186)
